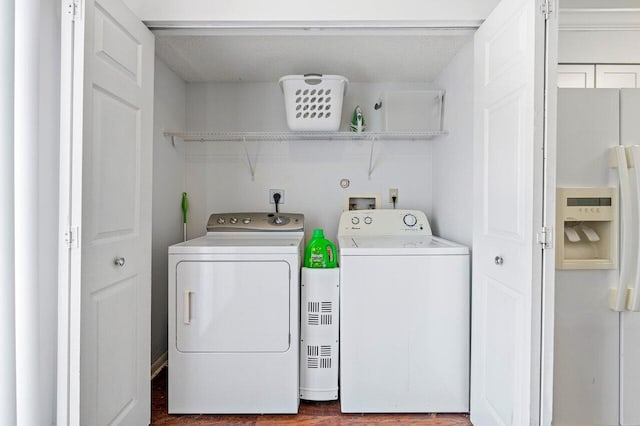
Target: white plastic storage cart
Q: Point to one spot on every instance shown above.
(319, 334)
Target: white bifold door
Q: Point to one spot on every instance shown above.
(510, 146)
(105, 285)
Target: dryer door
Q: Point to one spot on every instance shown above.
(232, 306)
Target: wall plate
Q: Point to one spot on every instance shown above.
(362, 202)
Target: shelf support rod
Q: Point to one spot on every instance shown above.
(252, 168)
(442, 111)
(373, 141)
(173, 138)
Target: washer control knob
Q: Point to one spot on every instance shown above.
(368, 220)
(221, 220)
(355, 220)
(233, 220)
(246, 220)
(410, 220)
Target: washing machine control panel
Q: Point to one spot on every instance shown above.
(255, 222)
(383, 222)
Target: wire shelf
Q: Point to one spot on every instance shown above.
(297, 136)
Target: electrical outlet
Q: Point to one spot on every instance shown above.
(393, 192)
(276, 191)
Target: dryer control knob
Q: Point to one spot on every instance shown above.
(355, 220)
(233, 220)
(368, 220)
(221, 220)
(246, 220)
(410, 220)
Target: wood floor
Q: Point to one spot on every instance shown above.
(311, 413)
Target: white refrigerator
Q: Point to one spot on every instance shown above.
(597, 348)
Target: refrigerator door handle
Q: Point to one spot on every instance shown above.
(634, 297)
(618, 296)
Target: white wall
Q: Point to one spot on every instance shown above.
(305, 10)
(599, 31)
(168, 177)
(453, 155)
(599, 47)
(218, 178)
(48, 169)
(26, 106)
(598, 4)
(7, 257)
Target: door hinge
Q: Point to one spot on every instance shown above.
(71, 237)
(73, 9)
(545, 237)
(547, 9)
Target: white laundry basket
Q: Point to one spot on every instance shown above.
(313, 102)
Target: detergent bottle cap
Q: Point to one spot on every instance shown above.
(318, 233)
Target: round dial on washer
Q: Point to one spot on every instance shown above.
(221, 220)
(233, 220)
(246, 220)
(410, 220)
(355, 220)
(368, 220)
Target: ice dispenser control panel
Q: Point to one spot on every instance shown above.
(588, 208)
(587, 228)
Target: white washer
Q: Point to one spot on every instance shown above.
(234, 316)
(404, 315)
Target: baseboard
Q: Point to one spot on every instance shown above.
(158, 365)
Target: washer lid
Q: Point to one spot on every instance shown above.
(243, 243)
(394, 245)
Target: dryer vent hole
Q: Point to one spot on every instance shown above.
(319, 313)
(320, 306)
(319, 356)
(320, 319)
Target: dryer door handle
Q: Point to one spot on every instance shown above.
(186, 307)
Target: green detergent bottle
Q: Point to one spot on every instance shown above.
(320, 252)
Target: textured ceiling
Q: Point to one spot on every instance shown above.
(360, 58)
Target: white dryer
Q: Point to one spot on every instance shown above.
(234, 316)
(404, 315)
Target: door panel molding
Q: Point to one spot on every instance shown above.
(106, 157)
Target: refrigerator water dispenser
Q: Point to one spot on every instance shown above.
(587, 228)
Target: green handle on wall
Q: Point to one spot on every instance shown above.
(185, 206)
